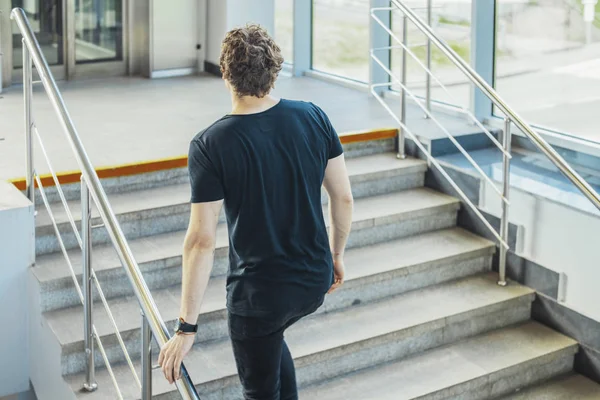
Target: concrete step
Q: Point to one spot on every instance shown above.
(376, 219)
(176, 176)
(483, 367)
(165, 209)
(373, 273)
(328, 345)
(571, 387)
(119, 185)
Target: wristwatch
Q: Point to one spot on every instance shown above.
(183, 328)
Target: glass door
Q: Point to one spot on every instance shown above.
(79, 38)
(46, 18)
(98, 31)
(95, 38)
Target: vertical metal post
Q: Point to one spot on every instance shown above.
(427, 76)
(506, 139)
(69, 38)
(86, 238)
(302, 40)
(27, 96)
(483, 46)
(379, 39)
(401, 134)
(146, 359)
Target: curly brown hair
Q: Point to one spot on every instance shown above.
(250, 61)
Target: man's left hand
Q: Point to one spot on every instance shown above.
(172, 355)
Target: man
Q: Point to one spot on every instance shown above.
(266, 161)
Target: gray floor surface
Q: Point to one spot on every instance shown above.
(126, 120)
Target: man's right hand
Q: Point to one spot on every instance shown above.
(338, 274)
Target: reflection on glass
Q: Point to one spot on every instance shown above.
(98, 30)
(341, 38)
(546, 68)
(284, 26)
(452, 22)
(46, 19)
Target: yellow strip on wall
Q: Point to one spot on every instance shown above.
(144, 167)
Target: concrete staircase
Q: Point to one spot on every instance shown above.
(420, 316)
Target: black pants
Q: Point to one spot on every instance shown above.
(265, 365)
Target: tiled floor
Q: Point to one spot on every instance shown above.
(125, 120)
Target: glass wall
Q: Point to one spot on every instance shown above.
(46, 18)
(284, 28)
(341, 38)
(451, 20)
(547, 67)
(98, 30)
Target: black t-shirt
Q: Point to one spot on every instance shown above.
(269, 168)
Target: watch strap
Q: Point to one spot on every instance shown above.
(185, 328)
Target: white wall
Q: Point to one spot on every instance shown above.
(224, 15)
(216, 29)
(16, 256)
(561, 238)
(175, 34)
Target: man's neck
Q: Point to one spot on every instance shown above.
(251, 104)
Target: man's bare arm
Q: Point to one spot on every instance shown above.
(198, 255)
(337, 185)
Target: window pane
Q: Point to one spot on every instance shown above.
(545, 69)
(341, 38)
(284, 26)
(98, 30)
(452, 22)
(46, 18)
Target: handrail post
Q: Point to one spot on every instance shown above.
(379, 39)
(90, 384)
(185, 386)
(401, 135)
(27, 98)
(146, 359)
(427, 76)
(485, 87)
(506, 143)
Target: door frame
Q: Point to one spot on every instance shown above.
(16, 74)
(100, 68)
(69, 70)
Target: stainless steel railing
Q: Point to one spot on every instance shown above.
(91, 190)
(475, 78)
(511, 117)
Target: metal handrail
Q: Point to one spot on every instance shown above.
(475, 78)
(89, 385)
(84, 242)
(429, 115)
(433, 161)
(430, 75)
(158, 327)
